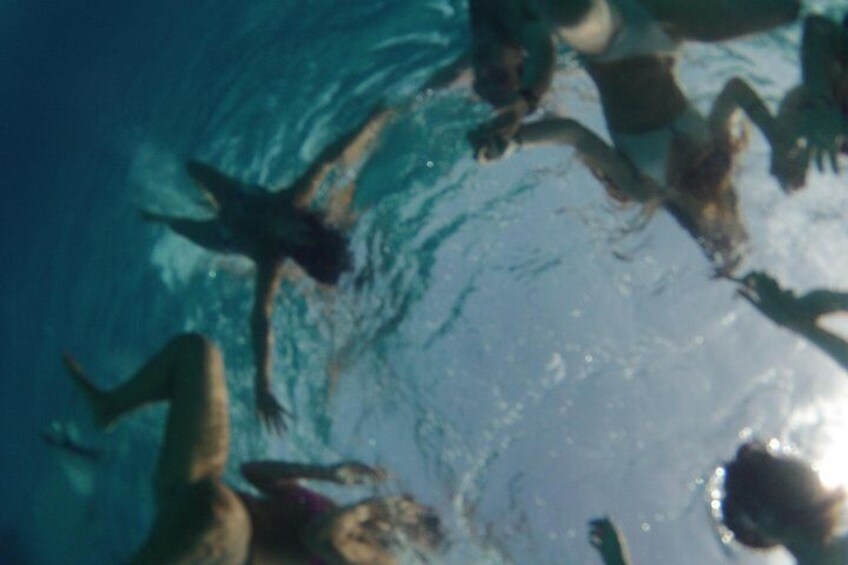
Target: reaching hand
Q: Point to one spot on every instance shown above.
(270, 411)
(493, 139)
(356, 473)
(779, 305)
(825, 130)
(604, 536)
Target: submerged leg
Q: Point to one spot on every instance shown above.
(718, 20)
(198, 519)
(189, 373)
(220, 187)
(209, 234)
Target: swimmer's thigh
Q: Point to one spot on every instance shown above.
(717, 20)
(196, 442)
(203, 523)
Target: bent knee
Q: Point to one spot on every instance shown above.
(195, 347)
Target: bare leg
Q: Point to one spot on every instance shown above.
(209, 234)
(220, 187)
(718, 20)
(197, 516)
(738, 94)
(189, 373)
(821, 302)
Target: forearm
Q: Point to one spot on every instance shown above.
(833, 345)
(539, 62)
(821, 57)
(604, 161)
(266, 473)
(262, 338)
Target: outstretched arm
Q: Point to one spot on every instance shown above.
(268, 476)
(821, 302)
(604, 161)
(823, 62)
(797, 314)
(605, 537)
(346, 150)
(268, 277)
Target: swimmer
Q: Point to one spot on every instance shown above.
(799, 314)
(768, 501)
(605, 537)
(771, 500)
(200, 519)
(269, 228)
(664, 151)
(812, 119)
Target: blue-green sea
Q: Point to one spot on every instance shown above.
(507, 344)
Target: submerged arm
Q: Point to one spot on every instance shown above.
(268, 277)
(270, 475)
(604, 161)
(822, 59)
(821, 302)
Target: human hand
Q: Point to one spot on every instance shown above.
(605, 537)
(494, 139)
(272, 414)
(356, 473)
(825, 130)
(766, 295)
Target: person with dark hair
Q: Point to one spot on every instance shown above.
(811, 122)
(664, 151)
(771, 500)
(200, 519)
(799, 314)
(270, 227)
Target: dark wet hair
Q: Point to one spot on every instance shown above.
(786, 488)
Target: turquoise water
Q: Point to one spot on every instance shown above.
(505, 345)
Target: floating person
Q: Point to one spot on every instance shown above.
(200, 519)
(775, 500)
(270, 227)
(768, 501)
(799, 314)
(664, 151)
(611, 545)
(812, 119)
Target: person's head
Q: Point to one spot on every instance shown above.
(497, 71)
(497, 62)
(703, 199)
(375, 531)
(772, 500)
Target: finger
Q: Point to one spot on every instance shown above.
(834, 161)
(820, 160)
